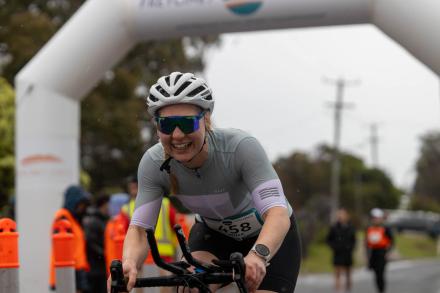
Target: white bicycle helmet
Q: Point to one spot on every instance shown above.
(377, 213)
(179, 88)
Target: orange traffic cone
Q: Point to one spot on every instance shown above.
(62, 240)
(63, 256)
(8, 256)
(8, 244)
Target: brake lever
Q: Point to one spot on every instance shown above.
(156, 256)
(118, 281)
(239, 269)
(187, 253)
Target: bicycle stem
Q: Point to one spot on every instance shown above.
(187, 253)
(156, 256)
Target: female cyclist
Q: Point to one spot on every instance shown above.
(222, 175)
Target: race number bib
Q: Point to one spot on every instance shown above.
(238, 227)
(374, 237)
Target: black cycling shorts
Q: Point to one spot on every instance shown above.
(283, 270)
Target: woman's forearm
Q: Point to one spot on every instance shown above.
(276, 225)
(135, 246)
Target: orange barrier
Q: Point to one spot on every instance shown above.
(63, 244)
(114, 236)
(8, 244)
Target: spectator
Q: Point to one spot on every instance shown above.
(132, 189)
(94, 226)
(118, 220)
(379, 241)
(342, 240)
(117, 201)
(74, 208)
(166, 241)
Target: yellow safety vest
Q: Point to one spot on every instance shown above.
(128, 208)
(163, 233)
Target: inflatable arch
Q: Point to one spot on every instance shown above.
(50, 87)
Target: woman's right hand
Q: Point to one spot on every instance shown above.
(130, 272)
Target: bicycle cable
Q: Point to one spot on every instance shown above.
(201, 284)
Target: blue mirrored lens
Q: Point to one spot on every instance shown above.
(187, 124)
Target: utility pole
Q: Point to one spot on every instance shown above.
(374, 141)
(336, 164)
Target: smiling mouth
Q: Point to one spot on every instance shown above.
(181, 146)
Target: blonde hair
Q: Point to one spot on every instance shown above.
(173, 179)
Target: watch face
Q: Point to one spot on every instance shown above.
(262, 249)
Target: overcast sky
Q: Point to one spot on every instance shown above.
(271, 84)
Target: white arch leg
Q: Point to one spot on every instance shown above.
(47, 160)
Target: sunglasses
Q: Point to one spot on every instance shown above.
(187, 124)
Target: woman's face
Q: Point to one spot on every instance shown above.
(182, 147)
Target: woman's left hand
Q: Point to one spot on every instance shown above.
(255, 271)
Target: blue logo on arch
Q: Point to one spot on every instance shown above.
(243, 7)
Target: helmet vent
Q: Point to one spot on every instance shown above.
(208, 98)
(177, 78)
(184, 86)
(162, 91)
(153, 98)
(196, 91)
(167, 80)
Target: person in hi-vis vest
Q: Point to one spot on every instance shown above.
(115, 229)
(166, 240)
(164, 233)
(379, 241)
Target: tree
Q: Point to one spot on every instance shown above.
(7, 109)
(306, 183)
(303, 177)
(306, 177)
(115, 127)
(427, 183)
(24, 29)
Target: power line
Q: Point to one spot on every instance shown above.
(338, 105)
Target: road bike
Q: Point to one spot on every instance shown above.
(190, 272)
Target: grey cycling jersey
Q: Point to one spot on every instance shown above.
(236, 179)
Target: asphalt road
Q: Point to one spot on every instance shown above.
(402, 277)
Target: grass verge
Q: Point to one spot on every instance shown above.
(414, 246)
(408, 246)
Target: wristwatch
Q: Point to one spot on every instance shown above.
(262, 251)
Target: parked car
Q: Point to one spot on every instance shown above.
(434, 229)
(403, 220)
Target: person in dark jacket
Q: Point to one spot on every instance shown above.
(94, 228)
(379, 241)
(342, 240)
